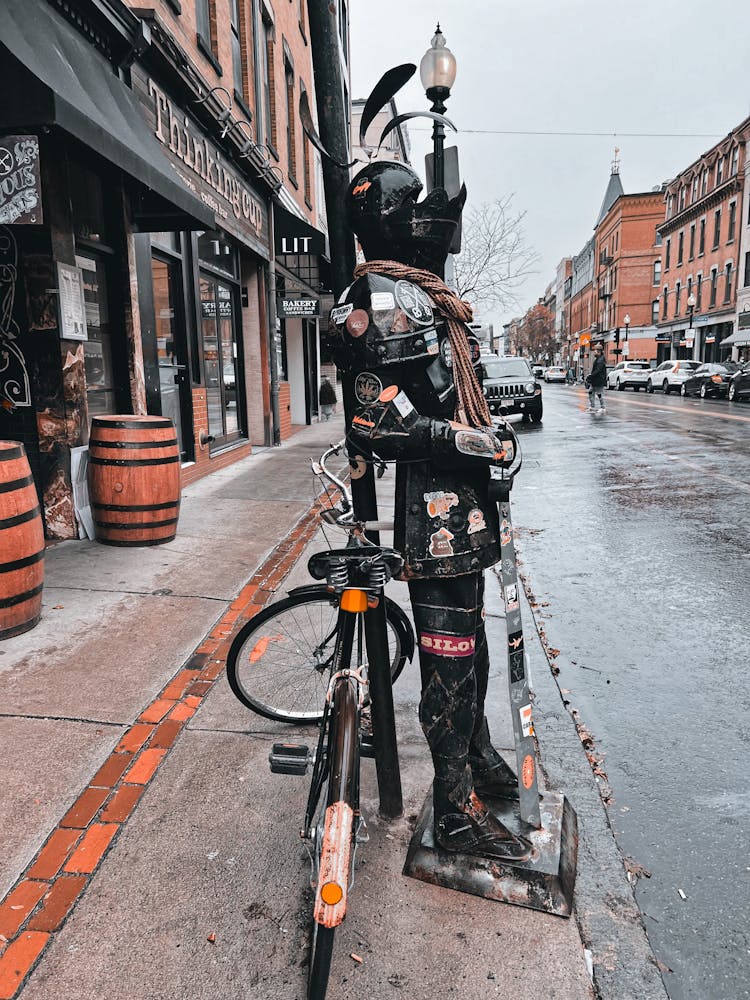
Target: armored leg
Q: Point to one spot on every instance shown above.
(446, 614)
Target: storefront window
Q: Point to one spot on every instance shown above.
(218, 323)
(97, 350)
(218, 253)
(170, 348)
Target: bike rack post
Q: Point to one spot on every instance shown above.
(383, 714)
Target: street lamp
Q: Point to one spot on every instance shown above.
(626, 322)
(437, 71)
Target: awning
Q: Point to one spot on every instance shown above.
(55, 77)
(292, 235)
(739, 339)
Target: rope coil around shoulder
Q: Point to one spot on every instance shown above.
(471, 406)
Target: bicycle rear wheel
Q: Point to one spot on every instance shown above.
(320, 961)
(278, 664)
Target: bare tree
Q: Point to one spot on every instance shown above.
(536, 334)
(495, 258)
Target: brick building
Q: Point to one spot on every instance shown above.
(700, 251)
(582, 307)
(174, 199)
(627, 268)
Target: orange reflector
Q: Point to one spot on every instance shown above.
(354, 600)
(331, 893)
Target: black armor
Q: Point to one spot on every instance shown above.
(392, 340)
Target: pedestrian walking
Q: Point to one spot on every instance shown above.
(327, 398)
(596, 380)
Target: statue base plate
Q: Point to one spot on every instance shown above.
(543, 882)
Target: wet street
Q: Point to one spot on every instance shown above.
(634, 536)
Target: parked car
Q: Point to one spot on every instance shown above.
(554, 374)
(739, 384)
(510, 387)
(711, 379)
(670, 375)
(629, 373)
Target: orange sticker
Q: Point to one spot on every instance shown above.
(527, 771)
(357, 322)
(389, 393)
(361, 187)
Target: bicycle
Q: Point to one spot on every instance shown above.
(308, 640)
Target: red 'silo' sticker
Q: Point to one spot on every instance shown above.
(447, 645)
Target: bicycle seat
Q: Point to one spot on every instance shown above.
(320, 564)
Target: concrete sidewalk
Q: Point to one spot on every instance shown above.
(149, 854)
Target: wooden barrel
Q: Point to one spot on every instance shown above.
(134, 480)
(21, 543)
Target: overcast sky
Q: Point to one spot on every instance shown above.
(594, 66)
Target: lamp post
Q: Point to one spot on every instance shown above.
(437, 71)
(626, 322)
(696, 346)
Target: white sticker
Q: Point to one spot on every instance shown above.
(403, 404)
(339, 314)
(527, 725)
(382, 301)
(511, 597)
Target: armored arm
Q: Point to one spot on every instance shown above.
(392, 429)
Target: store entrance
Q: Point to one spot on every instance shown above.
(171, 348)
(220, 358)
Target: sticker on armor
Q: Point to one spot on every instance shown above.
(527, 771)
(415, 303)
(446, 354)
(367, 387)
(447, 645)
(476, 443)
(403, 404)
(440, 543)
(381, 301)
(476, 522)
(439, 503)
(362, 422)
(527, 725)
(511, 597)
(357, 467)
(362, 187)
(340, 313)
(357, 322)
(517, 667)
(515, 641)
(505, 533)
(400, 322)
(431, 342)
(474, 349)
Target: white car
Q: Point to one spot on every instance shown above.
(554, 374)
(629, 373)
(670, 375)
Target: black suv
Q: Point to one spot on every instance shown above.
(510, 387)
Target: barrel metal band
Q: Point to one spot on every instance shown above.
(11, 522)
(134, 526)
(136, 506)
(8, 602)
(8, 567)
(9, 454)
(167, 460)
(167, 443)
(16, 484)
(131, 424)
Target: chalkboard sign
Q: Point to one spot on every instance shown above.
(20, 183)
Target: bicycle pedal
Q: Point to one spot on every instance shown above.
(289, 758)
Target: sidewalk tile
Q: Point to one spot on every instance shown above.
(18, 959)
(89, 852)
(143, 770)
(16, 907)
(182, 712)
(201, 688)
(121, 804)
(84, 808)
(111, 770)
(134, 738)
(213, 670)
(58, 903)
(157, 710)
(54, 853)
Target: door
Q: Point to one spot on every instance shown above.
(219, 316)
(171, 346)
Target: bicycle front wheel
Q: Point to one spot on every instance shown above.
(320, 961)
(278, 665)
